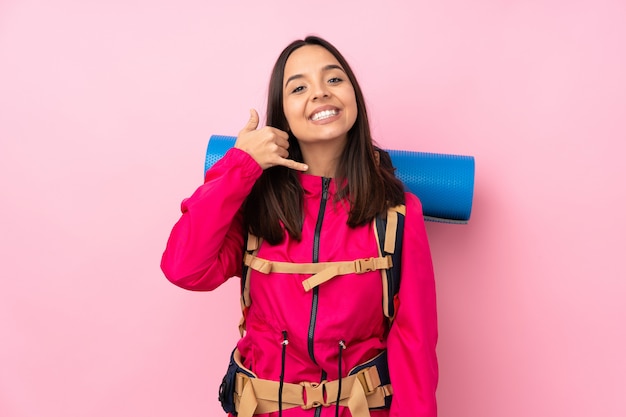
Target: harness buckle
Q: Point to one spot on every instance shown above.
(313, 392)
(364, 265)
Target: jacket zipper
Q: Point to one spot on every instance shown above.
(316, 252)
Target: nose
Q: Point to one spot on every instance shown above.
(320, 90)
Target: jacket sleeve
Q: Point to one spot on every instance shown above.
(412, 338)
(205, 247)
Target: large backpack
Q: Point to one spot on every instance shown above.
(388, 230)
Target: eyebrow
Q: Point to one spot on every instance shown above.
(326, 68)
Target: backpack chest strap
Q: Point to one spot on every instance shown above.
(323, 271)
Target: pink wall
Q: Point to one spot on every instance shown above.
(105, 110)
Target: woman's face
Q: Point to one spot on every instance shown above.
(318, 98)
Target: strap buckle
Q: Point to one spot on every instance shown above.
(364, 265)
(313, 392)
(369, 379)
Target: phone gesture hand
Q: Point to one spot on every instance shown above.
(268, 146)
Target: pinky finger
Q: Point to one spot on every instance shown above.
(298, 166)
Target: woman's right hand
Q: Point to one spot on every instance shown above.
(268, 146)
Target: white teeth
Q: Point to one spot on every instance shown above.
(324, 114)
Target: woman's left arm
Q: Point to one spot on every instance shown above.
(412, 339)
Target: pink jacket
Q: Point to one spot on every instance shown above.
(206, 248)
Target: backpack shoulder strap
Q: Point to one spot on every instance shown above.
(389, 231)
(252, 244)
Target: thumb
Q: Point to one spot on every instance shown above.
(253, 122)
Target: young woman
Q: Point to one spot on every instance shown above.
(308, 187)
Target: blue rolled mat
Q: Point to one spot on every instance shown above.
(444, 183)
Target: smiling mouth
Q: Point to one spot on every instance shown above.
(324, 114)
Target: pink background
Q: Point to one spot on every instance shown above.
(105, 112)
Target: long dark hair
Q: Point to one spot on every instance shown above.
(365, 171)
